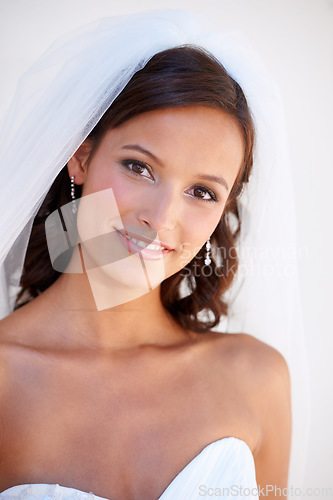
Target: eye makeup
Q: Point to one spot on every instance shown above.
(137, 168)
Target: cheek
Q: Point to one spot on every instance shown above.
(98, 177)
(197, 230)
(98, 213)
(128, 197)
(109, 179)
(105, 199)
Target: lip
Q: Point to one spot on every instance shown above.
(146, 252)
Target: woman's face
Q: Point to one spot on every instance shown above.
(167, 175)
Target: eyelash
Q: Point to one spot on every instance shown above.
(128, 163)
(213, 197)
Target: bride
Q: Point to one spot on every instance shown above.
(112, 379)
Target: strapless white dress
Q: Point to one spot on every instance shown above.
(223, 469)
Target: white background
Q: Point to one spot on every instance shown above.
(295, 39)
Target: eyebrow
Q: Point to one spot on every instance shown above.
(213, 178)
(137, 147)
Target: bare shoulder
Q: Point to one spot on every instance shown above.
(261, 358)
(260, 376)
(259, 372)
(13, 328)
(25, 327)
(260, 366)
(251, 356)
(6, 343)
(10, 346)
(16, 342)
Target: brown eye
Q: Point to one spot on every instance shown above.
(200, 193)
(137, 169)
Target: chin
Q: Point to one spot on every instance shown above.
(125, 280)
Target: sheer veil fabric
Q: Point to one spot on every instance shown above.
(62, 97)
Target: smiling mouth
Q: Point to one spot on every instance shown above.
(148, 248)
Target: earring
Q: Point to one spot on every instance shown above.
(73, 195)
(207, 256)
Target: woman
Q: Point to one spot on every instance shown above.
(112, 380)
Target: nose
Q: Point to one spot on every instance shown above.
(161, 211)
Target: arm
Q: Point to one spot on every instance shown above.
(274, 411)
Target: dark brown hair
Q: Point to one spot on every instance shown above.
(182, 76)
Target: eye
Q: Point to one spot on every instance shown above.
(138, 168)
(202, 193)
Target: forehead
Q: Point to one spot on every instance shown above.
(201, 129)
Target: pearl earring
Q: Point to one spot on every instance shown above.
(207, 256)
(73, 195)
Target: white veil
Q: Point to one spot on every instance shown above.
(61, 98)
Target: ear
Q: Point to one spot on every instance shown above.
(77, 165)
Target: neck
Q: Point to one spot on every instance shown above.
(140, 320)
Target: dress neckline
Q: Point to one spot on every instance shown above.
(221, 441)
(58, 488)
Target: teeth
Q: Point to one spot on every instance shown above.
(142, 244)
(137, 242)
(154, 247)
